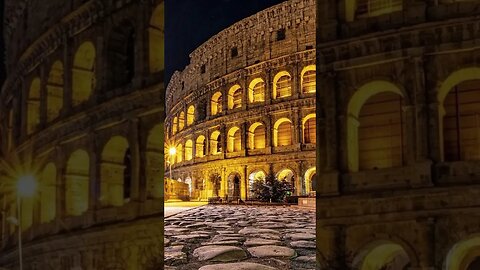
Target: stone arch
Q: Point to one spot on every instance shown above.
(288, 175)
(190, 115)
(464, 255)
(382, 254)
(310, 180)
(256, 90)
(121, 55)
(48, 193)
(370, 8)
(156, 33)
(282, 85)
(181, 121)
(282, 132)
(257, 136)
(235, 94)
(459, 142)
(200, 146)
(215, 143)
(234, 142)
(216, 103)
(115, 172)
(308, 79)
(309, 129)
(234, 183)
(255, 175)
(77, 176)
(83, 73)
(175, 125)
(154, 159)
(179, 153)
(55, 86)
(357, 101)
(188, 150)
(33, 105)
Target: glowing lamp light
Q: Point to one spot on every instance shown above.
(172, 151)
(26, 186)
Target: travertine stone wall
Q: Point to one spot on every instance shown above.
(426, 207)
(278, 39)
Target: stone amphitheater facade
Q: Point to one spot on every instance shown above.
(398, 134)
(81, 110)
(244, 107)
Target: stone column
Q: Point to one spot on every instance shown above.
(137, 187)
(68, 56)
(43, 97)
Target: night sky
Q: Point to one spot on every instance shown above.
(189, 23)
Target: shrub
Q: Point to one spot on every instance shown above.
(271, 189)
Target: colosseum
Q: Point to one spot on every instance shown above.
(244, 107)
(398, 134)
(81, 118)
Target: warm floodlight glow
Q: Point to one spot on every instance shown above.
(26, 186)
(172, 151)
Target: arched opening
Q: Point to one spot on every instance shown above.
(83, 73)
(77, 177)
(370, 8)
(181, 121)
(234, 186)
(257, 175)
(190, 115)
(156, 39)
(309, 128)
(215, 143)
(48, 193)
(216, 103)
(375, 127)
(234, 143)
(288, 176)
(188, 181)
(121, 55)
(256, 90)
(179, 153)
(464, 255)
(235, 97)
(55, 91)
(154, 160)
(461, 122)
(382, 255)
(175, 125)
(308, 79)
(310, 181)
(189, 150)
(257, 136)
(33, 106)
(282, 132)
(200, 146)
(115, 172)
(282, 85)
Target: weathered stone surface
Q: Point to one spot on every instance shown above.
(260, 242)
(219, 253)
(237, 266)
(271, 251)
(303, 244)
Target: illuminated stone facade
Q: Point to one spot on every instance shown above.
(84, 100)
(245, 105)
(398, 134)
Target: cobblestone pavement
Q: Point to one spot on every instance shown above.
(218, 237)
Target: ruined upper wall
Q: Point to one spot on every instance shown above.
(255, 39)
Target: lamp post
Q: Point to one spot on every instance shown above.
(26, 187)
(172, 151)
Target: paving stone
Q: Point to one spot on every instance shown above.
(260, 242)
(303, 244)
(237, 266)
(271, 251)
(219, 253)
(301, 236)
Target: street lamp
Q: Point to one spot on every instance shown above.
(172, 151)
(26, 187)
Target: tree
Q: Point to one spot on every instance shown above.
(271, 189)
(216, 180)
